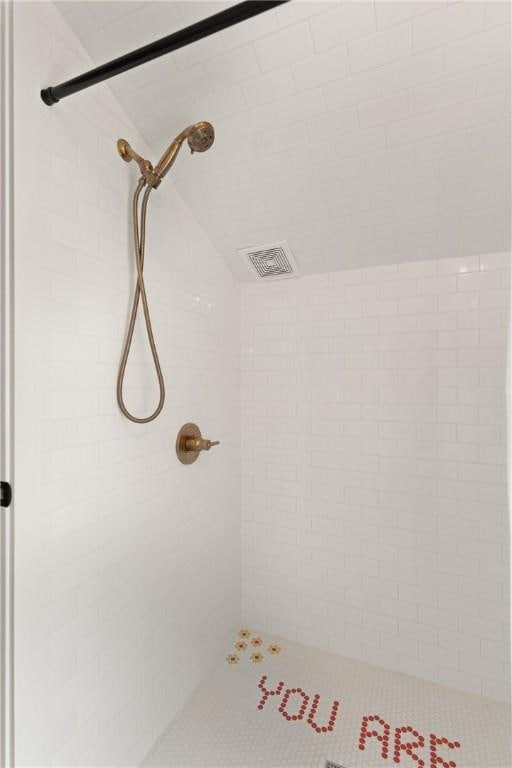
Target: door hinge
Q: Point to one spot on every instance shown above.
(5, 494)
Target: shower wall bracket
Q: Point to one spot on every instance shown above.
(160, 47)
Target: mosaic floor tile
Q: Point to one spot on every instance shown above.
(302, 707)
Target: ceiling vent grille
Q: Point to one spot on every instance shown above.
(270, 262)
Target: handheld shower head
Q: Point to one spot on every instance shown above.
(199, 136)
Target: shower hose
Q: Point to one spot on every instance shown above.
(139, 240)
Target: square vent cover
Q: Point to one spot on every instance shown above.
(274, 261)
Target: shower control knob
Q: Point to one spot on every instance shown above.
(190, 443)
(199, 444)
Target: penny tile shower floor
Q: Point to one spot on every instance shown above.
(273, 703)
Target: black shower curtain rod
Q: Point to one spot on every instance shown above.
(160, 47)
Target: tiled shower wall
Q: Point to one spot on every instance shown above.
(373, 447)
(374, 479)
(127, 562)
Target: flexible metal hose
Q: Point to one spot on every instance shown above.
(140, 293)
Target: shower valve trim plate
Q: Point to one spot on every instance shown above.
(190, 443)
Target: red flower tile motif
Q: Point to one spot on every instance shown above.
(240, 645)
(256, 642)
(257, 658)
(232, 658)
(244, 633)
(274, 649)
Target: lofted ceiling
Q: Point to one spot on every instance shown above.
(361, 132)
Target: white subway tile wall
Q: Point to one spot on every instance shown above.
(381, 118)
(127, 562)
(374, 479)
(373, 413)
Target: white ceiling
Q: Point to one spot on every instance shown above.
(361, 132)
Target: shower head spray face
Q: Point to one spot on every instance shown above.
(200, 137)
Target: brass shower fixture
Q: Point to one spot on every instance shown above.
(199, 136)
(190, 443)
(145, 166)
